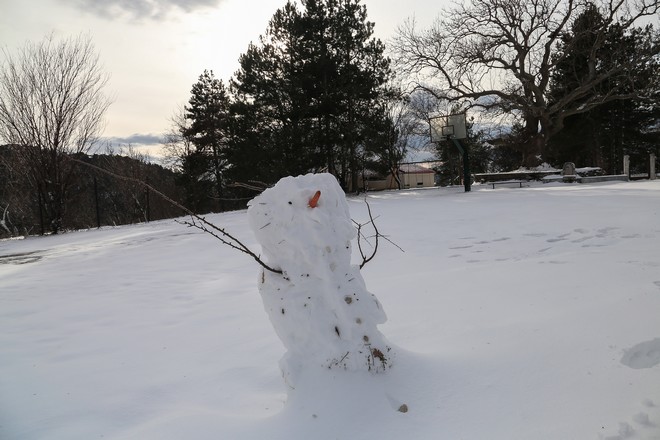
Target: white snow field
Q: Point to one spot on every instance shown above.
(526, 314)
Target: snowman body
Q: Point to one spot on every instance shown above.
(319, 305)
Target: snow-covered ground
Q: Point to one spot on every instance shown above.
(528, 313)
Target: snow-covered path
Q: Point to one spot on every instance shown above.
(527, 313)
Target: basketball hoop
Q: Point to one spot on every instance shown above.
(452, 127)
(448, 127)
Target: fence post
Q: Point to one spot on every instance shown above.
(148, 207)
(652, 173)
(96, 200)
(41, 212)
(626, 165)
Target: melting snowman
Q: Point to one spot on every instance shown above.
(318, 303)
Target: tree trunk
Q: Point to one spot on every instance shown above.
(528, 143)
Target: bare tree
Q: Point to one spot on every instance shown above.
(406, 126)
(16, 199)
(500, 55)
(176, 146)
(52, 105)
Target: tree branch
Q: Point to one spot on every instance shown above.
(196, 221)
(377, 235)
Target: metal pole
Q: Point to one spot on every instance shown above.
(466, 164)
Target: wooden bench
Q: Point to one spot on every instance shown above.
(502, 182)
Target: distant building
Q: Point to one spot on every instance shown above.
(416, 175)
(411, 175)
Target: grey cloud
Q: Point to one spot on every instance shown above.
(141, 9)
(137, 138)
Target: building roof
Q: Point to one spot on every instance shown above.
(413, 168)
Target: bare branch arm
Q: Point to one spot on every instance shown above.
(196, 221)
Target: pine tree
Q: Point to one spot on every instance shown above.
(602, 135)
(313, 83)
(208, 113)
(270, 93)
(353, 81)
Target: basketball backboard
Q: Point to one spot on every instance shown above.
(448, 127)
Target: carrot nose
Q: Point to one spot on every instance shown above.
(315, 199)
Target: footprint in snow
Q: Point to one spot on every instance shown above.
(643, 355)
(604, 232)
(580, 240)
(21, 258)
(642, 418)
(561, 237)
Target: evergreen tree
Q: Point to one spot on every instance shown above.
(357, 87)
(194, 179)
(208, 113)
(602, 135)
(312, 86)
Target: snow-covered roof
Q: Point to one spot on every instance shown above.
(413, 168)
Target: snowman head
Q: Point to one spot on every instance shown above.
(302, 223)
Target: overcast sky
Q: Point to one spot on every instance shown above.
(155, 50)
